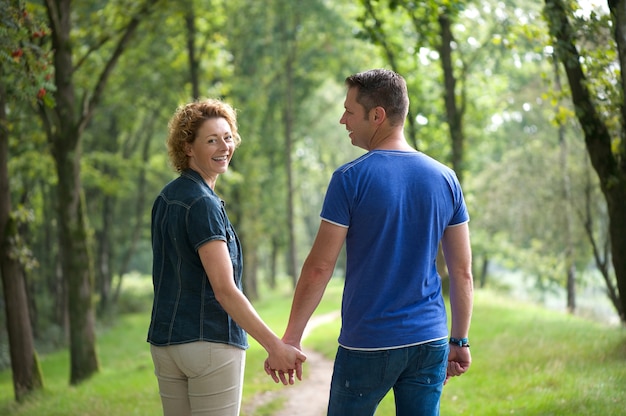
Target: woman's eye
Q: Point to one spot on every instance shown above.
(215, 140)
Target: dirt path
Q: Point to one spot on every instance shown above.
(308, 397)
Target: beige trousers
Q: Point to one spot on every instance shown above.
(199, 378)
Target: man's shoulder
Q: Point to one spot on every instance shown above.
(359, 161)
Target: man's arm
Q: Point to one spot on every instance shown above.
(314, 277)
(458, 254)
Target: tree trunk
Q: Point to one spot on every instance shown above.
(64, 129)
(483, 271)
(617, 199)
(27, 375)
(64, 134)
(194, 63)
(76, 264)
(570, 269)
(292, 257)
(609, 165)
(135, 235)
(104, 247)
(250, 271)
(454, 112)
(104, 256)
(288, 115)
(273, 263)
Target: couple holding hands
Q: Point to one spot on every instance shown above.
(392, 207)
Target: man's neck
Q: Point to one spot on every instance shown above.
(394, 140)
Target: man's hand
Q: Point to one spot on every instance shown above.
(459, 361)
(283, 370)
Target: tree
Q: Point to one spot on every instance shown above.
(454, 100)
(423, 16)
(118, 148)
(288, 37)
(373, 26)
(605, 140)
(23, 67)
(570, 268)
(64, 125)
(281, 56)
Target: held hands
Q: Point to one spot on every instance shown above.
(284, 362)
(459, 361)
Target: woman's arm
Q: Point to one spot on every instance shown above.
(219, 269)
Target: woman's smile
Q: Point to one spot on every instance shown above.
(211, 151)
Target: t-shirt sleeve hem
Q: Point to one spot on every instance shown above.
(334, 223)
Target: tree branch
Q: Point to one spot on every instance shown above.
(597, 136)
(90, 103)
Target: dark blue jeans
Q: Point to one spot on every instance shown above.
(362, 378)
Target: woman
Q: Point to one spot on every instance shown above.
(200, 315)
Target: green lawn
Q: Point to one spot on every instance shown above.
(527, 361)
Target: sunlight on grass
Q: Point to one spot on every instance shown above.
(526, 361)
(125, 384)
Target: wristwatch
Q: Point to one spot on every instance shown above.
(461, 342)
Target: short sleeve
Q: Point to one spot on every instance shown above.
(206, 221)
(460, 214)
(336, 206)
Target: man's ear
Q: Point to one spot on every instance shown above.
(379, 115)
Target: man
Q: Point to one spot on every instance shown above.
(392, 206)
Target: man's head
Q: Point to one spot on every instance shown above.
(381, 88)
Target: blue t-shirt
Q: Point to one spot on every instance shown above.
(396, 206)
(186, 215)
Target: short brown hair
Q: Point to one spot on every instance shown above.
(382, 88)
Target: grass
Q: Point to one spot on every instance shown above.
(125, 384)
(527, 361)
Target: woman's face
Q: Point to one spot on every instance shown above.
(212, 149)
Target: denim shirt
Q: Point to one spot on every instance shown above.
(186, 215)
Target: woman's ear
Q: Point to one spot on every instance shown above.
(187, 148)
